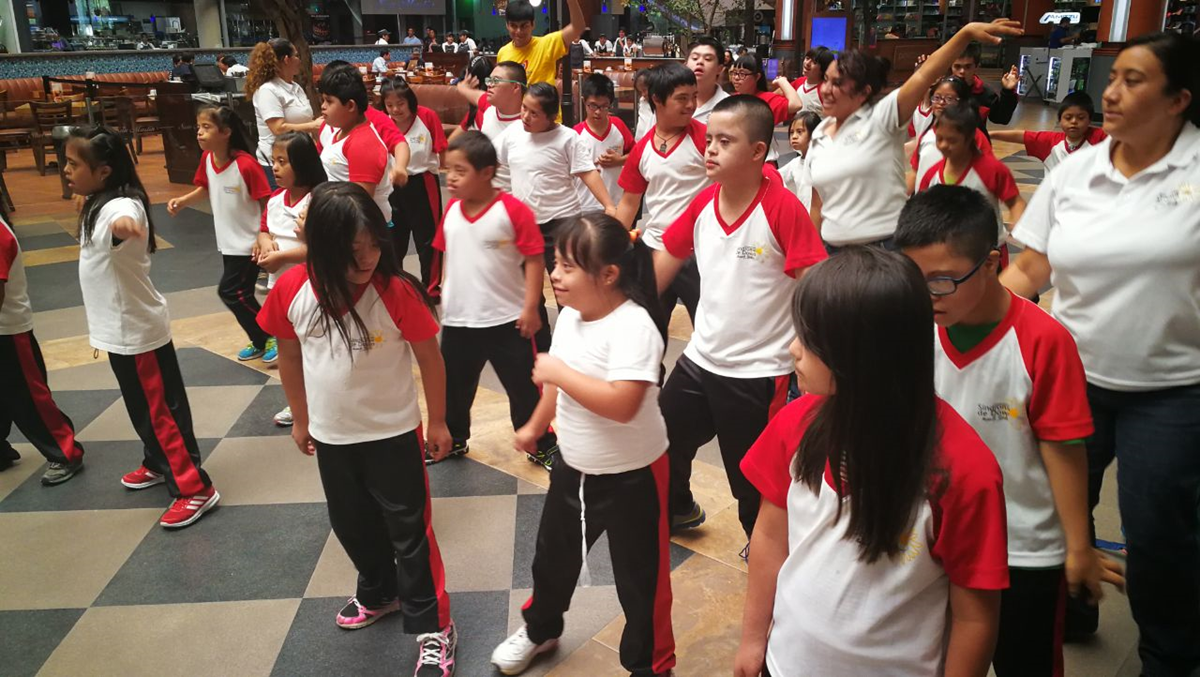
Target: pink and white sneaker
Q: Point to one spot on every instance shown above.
(354, 615)
(436, 658)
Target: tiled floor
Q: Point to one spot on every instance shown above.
(91, 586)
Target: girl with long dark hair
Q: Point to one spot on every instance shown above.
(128, 319)
(350, 323)
(880, 544)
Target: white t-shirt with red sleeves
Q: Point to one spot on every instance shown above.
(617, 136)
(365, 391)
(837, 615)
(987, 175)
(796, 179)
(543, 166)
(810, 97)
(280, 219)
(1023, 384)
(361, 156)
(743, 320)
(426, 140)
(927, 155)
(125, 313)
(667, 181)
(621, 346)
(16, 313)
(922, 119)
(233, 192)
(493, 124)
(1052, 147)
(704, 110)
(386, 127)
(484, 283)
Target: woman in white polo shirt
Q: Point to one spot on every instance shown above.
(1116, 228)
(280, 103)
(856, 157)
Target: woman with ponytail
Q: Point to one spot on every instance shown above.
(280, 103)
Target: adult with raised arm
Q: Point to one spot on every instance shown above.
(280, 103)
(856, 157)
(539, 55)
(1116, 228)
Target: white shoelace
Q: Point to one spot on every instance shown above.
(433, 646)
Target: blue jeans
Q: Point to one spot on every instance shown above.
(1155, 437)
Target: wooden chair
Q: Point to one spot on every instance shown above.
(47, 116)
(11, 137)
(6, 203)
(145, 122)
(117, 112)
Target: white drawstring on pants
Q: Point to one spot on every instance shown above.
(585, 577)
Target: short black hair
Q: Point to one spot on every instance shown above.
(974, 52)
(598, 85)
(345, 85)
(665, 78)
(478, 148)
(515, 71)
(385, 52)
(229, 60)
(710, 42)
(546, 95)
(187, 58)
(753, 115)
(398, 86)
(519, 11)
(1077, 99)
(808, 118)
(955, 215)
(176, 59)
(962, 116)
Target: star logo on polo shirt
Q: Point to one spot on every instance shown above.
(1185, 193)
(1007, 411)
(421, 138)
(752, 252)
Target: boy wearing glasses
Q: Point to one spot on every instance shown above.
(495, 109)
(1014, 374)
(606, 138)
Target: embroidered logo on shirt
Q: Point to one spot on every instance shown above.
(496, 244)
(1010, 411)
(1183, 194)
(913, 547)
(366, 342)
(233, 190)
(753, 252)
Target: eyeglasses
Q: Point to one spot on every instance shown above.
(740, 74)
(492, 82)
(945, 286)
(939, 98)
(597, 107)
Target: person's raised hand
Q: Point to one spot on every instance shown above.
(1010, 79)
(992, 33)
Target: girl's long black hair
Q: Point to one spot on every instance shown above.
(878, 431)
(225, 118)
(100, 146)
(339, 210)
(304, 158)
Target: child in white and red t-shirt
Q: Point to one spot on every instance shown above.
(237, 189)
(491, 291)
(880, 544)
(751, 238)
(605, 136)
(496, 110)
(352, 149)
(1074, 121)
(1014, 374)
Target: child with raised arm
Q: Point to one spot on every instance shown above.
(1076, 131)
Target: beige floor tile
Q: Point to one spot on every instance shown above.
(214, 411)
(224, 638)
(65, 558)
(592, 608)
(31, 461)
(593, 659)
(241, 466)
(69, 352)
(720, 538)
(524, 487)
(97, 375)
(335, 574)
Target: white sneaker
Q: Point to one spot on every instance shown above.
(284, 418)
(517, 652)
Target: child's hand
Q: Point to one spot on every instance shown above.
(300, 218)
(303, 440)
(438, 441)
(399, 176)
(1010, 79)
(270, 261)
(749, 660)
(526, 440)
(174, 205)
(1087, 569)
(611, 158)
(529, 322)
(546, 369)
(779, 82)
(920, 61)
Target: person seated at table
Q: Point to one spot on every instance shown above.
(183, 68)
(380, 65)
(449, 46)
(231, 68)
(603, 46)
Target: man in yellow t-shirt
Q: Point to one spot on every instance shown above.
(539, 55)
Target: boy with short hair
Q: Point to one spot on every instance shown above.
(491, 290)
(395, 142)
(1015, 375)
(539, 55)
(351, 148)
(751, 238)
(606, 137)
(704, 60)
(496, 109)
(1075, 122)
(992, 107)
(666, 167)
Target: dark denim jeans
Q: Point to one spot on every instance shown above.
(1155, 438)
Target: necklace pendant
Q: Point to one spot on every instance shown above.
(662, 147)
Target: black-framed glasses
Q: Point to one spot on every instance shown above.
(941, 98)
(492, 82)
(945, 286)
(597, 107)
(740, 74)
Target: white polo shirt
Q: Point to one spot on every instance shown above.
(233, 193)
(280, 219)
(1022, 384)
(1052, 147)
(617, 136)
(125, 313)
(426, 140)
(796, 179)
(667, 181)
(278, 99)
(1124, 255)
(363, 392)
(361, 157)
(743, 321)
(859, 173)
(986, 175)
(16, 313)
(837, 615)
(621, 346)
(704, 110)
(543, 167)
(484, 282)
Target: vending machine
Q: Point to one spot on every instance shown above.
(1031, 67)
(1067, 72)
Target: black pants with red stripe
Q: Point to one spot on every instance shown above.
(686, 288)
(1032, 614)
(25, 399)
(377, 493)
(152, 387)
(236, 290)
(699, 405)
(631, 508)
(416, 212)
(465, 351)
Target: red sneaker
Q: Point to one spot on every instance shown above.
(142, 478)
(188, 509)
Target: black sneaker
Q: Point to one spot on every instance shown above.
(459, 449)
(8, 457)
(544, 458)
(435, 656)
(689, 520)
(58, 473)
